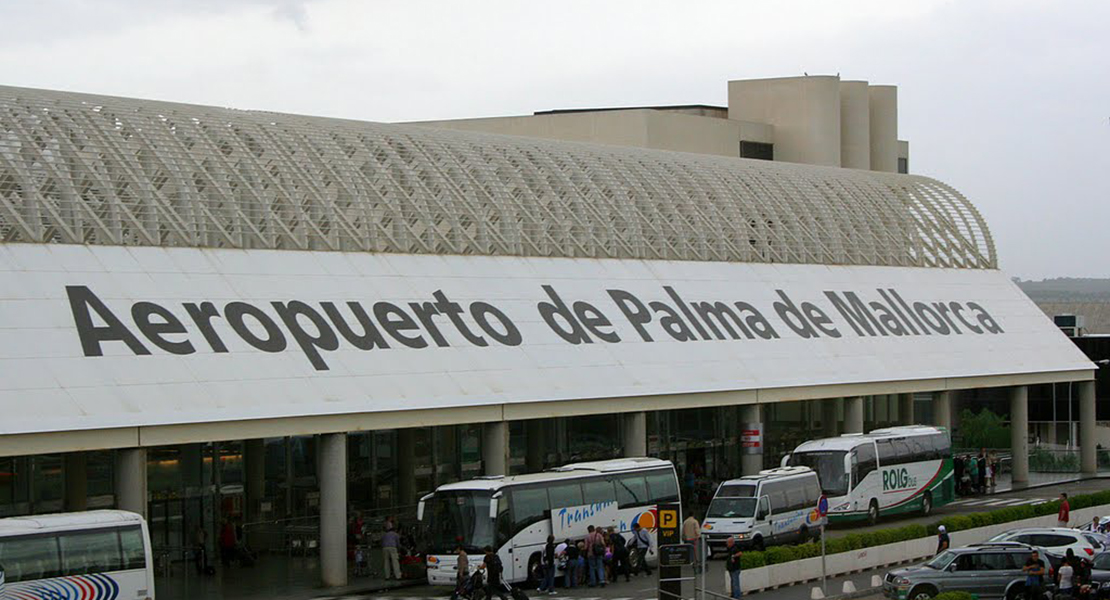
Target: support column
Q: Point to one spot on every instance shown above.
(495, 448)
(828, 417)
(942, 410)
(751, 431)
(406, 467)
(254, 478)
(853, 414)
(905, 409)
(535, 431)
(333, 509)
(635, 434)
(1019, 434)
(1087, 443)
(76, 471)
(131, 490)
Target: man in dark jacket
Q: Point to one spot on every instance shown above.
(547, 562)
(494, 568)
(620, 554)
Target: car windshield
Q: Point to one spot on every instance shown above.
(829, 465)
(731, 508)
(941, 561)
(458, 517)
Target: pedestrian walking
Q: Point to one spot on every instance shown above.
(691, 534)
(228, 542)
(391, 564)
(620, 554)
(547, 560)
(595, 554)
(943, 541)
(640, 545)
(462, 572)
(1064, 515)
(983, 481)
(494, 584)
(733, 565)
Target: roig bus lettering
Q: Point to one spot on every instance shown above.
(898, 479)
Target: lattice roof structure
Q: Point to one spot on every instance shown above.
(84, 169)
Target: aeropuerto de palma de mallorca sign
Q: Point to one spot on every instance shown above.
(101, 336)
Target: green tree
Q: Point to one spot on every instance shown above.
(983, 430)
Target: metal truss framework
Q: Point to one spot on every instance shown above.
(82, 169)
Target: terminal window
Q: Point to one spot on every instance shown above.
(757, 150)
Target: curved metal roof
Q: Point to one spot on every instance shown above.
(83, 169)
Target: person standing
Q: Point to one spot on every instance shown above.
(1034, 576)
(548, 562)
(573, 563)
(983, 482)
(641, 544)
(1067, 574)
(733, 565)
(943, 542)
(462, 572)
(620, 554)
(1064, 515)
(391, 563)
(492, 564)
(228, 543)
(200, 548)
(691, 534)
(595, 554)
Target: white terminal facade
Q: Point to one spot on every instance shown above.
(211, 312)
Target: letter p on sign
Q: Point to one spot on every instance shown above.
(668, 519)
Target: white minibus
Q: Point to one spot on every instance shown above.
(887, 471)
(515, 514)
(774, 507)
(93, 555)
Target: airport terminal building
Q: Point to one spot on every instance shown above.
(210, 312)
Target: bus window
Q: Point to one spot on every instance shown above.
(631, 490)
(564, 495)
(134, 554)
(528, 506)
(776, 493)
(87, 552)
(888, 455)
(597, 490)
(662, 486)
(863, 462)
(30, 558)
(796, 496)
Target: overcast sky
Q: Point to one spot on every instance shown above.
(1005, 100)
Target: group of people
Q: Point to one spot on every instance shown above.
(600, 558)
(975, 473)
(1072, 578)
(392, 543)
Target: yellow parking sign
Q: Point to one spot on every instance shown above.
(668, 519)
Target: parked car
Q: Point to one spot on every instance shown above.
(1100, 574)
(1054, 540)
(990, 570)
(1103, 523)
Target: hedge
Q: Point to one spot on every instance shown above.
(856, 541)
(956, 596)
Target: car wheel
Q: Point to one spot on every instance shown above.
(927, 504)
(1016, 593)
(922, 592)
(873, 512)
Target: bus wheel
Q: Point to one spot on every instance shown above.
(535, 574)
(927, 504)
(873, 512)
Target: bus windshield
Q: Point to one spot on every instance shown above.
(732, 508)
(829, 465)
(458, 517)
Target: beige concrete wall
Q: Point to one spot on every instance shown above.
(617, 127)
(805, 112)
(884, 128)
(686, 133)
(855, 125)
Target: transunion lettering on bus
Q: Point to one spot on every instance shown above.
(898, 479)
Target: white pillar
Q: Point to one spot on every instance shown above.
(635, 434)
(131, 490)
(883, 103)
(1019, 433)
(333, 509)
(751, 458)
(1087, 441)
(406, 467)
(495, 448)
(942, 409)
(829, 426)
(76, 473)
(855, 125)
(853, 414)
(905, 409)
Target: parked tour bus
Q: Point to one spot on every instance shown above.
(887, 471)
(94, 555)
(515, 514)
(774, 507)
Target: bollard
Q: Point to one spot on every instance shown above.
(849, 588)
(816, 594)
(876, 581)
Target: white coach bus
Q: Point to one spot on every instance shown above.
(94, 555)
(887, 471)
(514, 515)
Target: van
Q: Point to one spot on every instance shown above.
(776, 506)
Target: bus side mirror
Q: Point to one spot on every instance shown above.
(420, 507)
(785, 461)
(493, 507)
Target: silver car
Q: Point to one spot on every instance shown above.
(991, 570)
